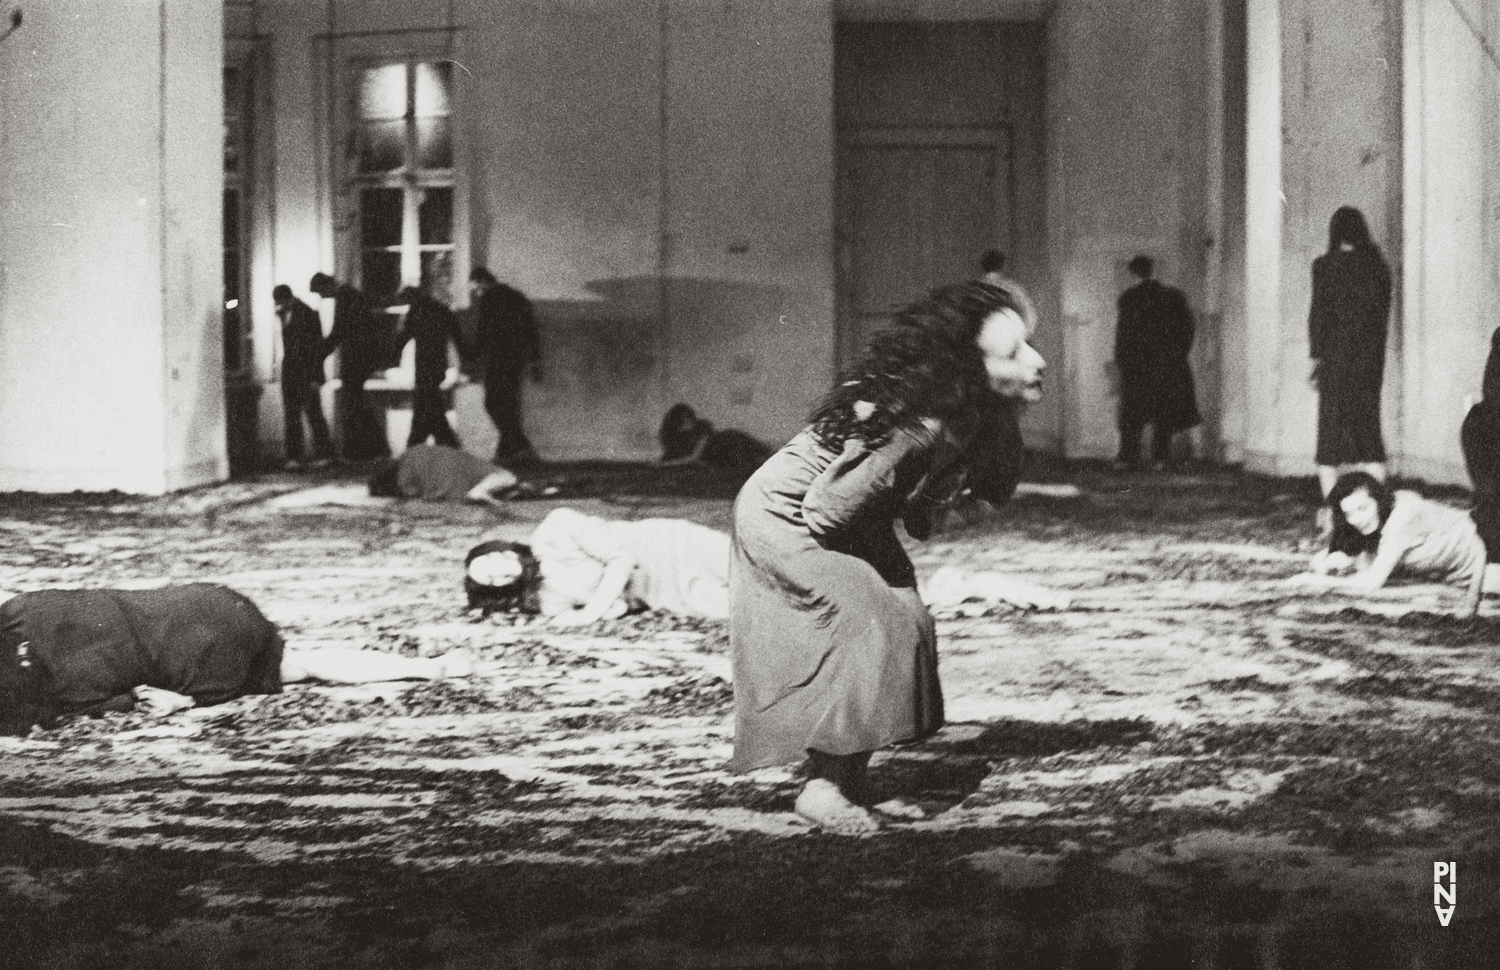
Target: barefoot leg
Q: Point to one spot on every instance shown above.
(828, 799)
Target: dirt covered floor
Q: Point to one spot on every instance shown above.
(1197, 764)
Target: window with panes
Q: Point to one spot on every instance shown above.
(403, 176)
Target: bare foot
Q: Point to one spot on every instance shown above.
(822, 804)
(456, 663)
(900, 808)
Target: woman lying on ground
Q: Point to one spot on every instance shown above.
(579, 568)
(686, 439)
(835, 655)
(1377, 531)
(441, 473)
(88, 651)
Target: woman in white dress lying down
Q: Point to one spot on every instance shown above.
(1377, 531)
(580, 568)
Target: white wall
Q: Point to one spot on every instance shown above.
(1452, 264)
(1127, 174)
(654, 174)
(110, 372)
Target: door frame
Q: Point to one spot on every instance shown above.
(998, 138)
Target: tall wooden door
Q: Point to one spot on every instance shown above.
(917, 210)
(941, 155)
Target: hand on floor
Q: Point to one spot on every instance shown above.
(572, 618)
(160, 703)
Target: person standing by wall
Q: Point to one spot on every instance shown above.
(506, 341)
(301, 378)
(1153, 336)
(1346, 330)
(363, 349)
(432, 325)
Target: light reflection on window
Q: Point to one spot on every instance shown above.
(402, 158)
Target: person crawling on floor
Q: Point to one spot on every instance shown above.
(440, 473)
(686, 438)
(90, 651)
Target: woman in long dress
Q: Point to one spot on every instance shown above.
(835, 655)
(581, 568)
(1351, 301)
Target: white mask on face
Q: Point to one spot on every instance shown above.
(495, 568)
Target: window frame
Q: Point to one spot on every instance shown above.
(242, 182)
(411, 180)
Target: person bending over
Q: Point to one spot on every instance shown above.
(835, 655)
(88, 651)
(580, 568)
(1377, 530)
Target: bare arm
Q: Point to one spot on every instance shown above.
(1395, 539)
(611, 587)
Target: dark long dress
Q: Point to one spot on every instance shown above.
(1351, 301)
(1479, 437)
(833, 649)
(1153, 337)
(89, 648)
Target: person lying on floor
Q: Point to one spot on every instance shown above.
(951, 586)
(440, 473)
(578, 569)
(1377, 530)
(89, 651)
(686, 438)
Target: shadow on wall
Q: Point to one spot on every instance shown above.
(613, 366)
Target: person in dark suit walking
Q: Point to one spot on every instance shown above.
(1153, 336)
(432, 325)
(506, 341)
(362, 340)
(301, 378)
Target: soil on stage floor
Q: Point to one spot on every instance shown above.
(1196, 764)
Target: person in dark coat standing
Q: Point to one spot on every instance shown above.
(432, 325)
(1346, 330)
(506, 341)
(1153, 336)
(363, 343)
(1479, 437)
(301, 378)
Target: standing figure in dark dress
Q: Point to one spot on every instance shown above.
(506, 341)
(301, 378)
(1346, 330)
(363, 342)
(835, 655)
(432, 325)
(1479, 436)
(1153, 337)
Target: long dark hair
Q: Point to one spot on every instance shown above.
(521, 595)
(681, 431)
(1348, 226)
(925, 366)
(1346, 538)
